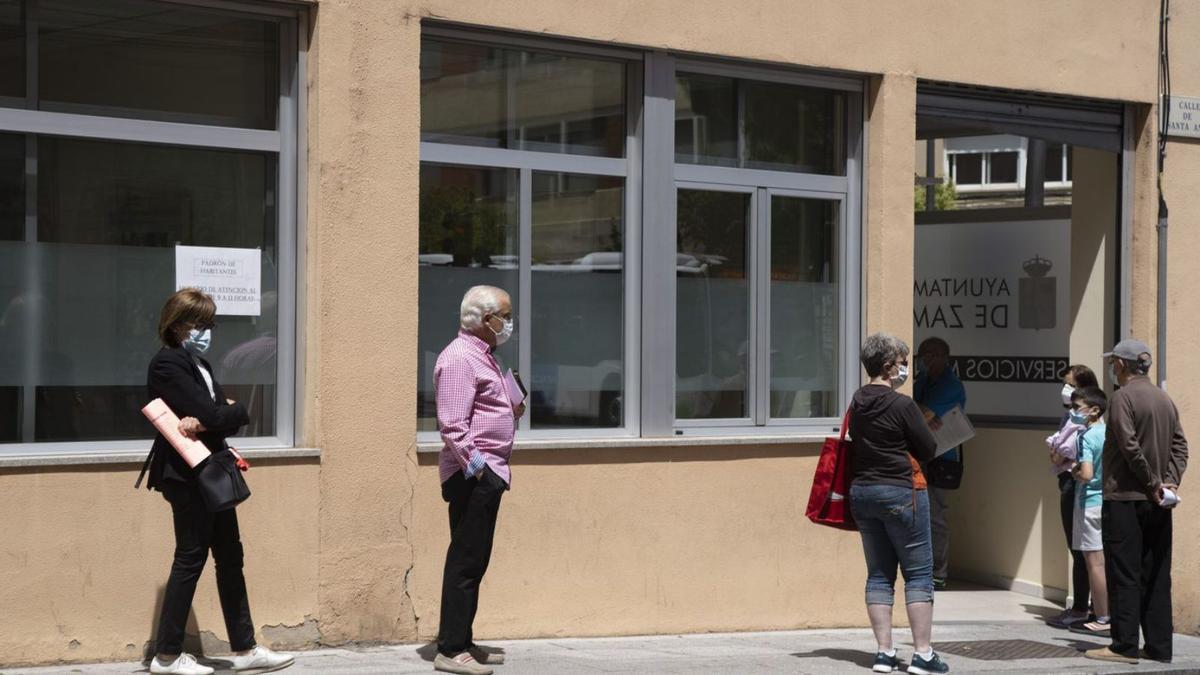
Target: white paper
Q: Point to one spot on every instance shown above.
(1169, 498)
(956, 429)
(232, 276)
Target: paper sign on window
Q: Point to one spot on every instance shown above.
(232, 276)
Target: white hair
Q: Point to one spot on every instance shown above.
(477, 302)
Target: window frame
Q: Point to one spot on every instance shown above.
(652, 178)
(286, 142)
(526, 162)
(763, 184)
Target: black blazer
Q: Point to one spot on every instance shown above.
(174, 377)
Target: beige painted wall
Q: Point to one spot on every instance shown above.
(1094, 244)
(1005, 528)
(1018, 44)
(1183, 324)
(85, 558)
(633, 541)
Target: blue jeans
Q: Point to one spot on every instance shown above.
(894, 524)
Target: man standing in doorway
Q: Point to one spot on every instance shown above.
(938, 390)
(477, 420)
(1145, 455)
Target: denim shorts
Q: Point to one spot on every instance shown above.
(894, 524)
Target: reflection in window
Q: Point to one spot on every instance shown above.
(1003, 167)
(79, 308)
(468, 237)
(12, 187)
(12, 56)
(780, 127)
(504, 98)
(706, 120)
(804, 308)
(712, 350)
(578, 301)
(142, 59)
(103, 192)
(967, 168)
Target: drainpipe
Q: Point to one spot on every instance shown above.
(1160, 348)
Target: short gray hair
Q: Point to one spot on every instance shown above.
(477, 302)
(1138, 366)
(879, 350)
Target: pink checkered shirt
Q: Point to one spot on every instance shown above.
(473, 410)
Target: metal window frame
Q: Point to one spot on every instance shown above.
(286, 142)
(526, 163)
(652, 178)
(753, 315)
(764, 183)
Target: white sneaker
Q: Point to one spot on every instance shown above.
(463, 664)
(184, 664)
(261, 660)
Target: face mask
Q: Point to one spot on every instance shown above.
(1078, 417)
(504, 333)
(1067, 390)
(901, 377)
(198, 341)
(1112, 371)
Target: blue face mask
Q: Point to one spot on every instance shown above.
(1078, 417)
(198, 341)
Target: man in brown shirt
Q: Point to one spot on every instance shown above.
(1145, 455)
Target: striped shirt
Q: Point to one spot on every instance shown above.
(474, 413)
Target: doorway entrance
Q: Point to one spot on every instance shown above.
(1017, 203)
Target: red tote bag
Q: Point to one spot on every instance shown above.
(829, 500)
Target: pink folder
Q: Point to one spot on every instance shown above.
(192, 452)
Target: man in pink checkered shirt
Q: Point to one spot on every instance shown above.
(477, 420)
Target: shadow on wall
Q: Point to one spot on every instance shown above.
(195, 642)
(651, 454)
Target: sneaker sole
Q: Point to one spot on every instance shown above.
(266, 669)
(462, 671)
(883, 669)
(917, 670)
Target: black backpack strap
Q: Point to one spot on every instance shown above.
(145, 468)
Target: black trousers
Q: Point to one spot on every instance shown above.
(196, 531)
(1079, 573)
(474, 505)
(1137, 565)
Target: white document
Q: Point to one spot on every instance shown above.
(956, 429)
(232, 276)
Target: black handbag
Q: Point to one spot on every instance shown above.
(220, 482)
(945, 474)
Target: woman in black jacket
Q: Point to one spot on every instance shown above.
(890, 503)
(180, 376)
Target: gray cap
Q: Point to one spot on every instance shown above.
(1130, 350)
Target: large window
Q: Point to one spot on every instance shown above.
(94, 201)
(758, 282)
(523, 187)
(552, 171)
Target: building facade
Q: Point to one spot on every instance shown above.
(699, 209)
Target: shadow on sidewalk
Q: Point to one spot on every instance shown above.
(1042, 612)
(859, 658)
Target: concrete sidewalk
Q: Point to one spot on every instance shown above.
(1024, 646)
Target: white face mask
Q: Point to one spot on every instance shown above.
(900, 378)
(504, 333)
(198, 341)
(1067, 390)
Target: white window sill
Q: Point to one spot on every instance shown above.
(135, 457)
(424, 447)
